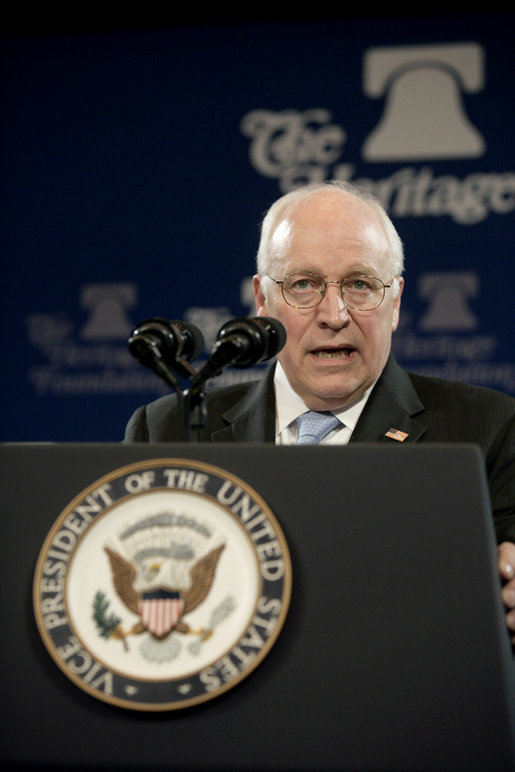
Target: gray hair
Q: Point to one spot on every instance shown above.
(283, 205)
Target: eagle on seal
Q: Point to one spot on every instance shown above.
(183, 600)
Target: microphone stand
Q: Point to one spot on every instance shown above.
(191, 406)
(195, 415)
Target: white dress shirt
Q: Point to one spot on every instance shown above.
(289, 406)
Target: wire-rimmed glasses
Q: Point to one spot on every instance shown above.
(359, 291)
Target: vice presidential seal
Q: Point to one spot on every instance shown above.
(162, 585)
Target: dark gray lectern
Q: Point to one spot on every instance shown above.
(393, 656)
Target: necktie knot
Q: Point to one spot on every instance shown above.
(314, 426)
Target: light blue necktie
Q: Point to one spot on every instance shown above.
(313, 427)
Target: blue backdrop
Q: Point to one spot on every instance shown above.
(136, 167)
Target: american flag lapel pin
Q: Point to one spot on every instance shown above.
(396, 434)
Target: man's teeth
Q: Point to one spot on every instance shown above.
(340, 353)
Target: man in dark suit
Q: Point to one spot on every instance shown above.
(330, 267)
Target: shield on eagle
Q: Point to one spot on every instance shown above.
(160, 610)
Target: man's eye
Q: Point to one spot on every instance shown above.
(358, 285)
(303, 285)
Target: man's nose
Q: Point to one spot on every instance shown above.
(332, 310)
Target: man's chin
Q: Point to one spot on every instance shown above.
(335, 398)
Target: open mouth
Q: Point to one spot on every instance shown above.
(333, 353)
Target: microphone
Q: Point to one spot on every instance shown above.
(159, 344)
(243, 342)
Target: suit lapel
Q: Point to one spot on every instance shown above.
(390, 410)
(252, 419)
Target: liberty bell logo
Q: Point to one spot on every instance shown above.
(423, 116)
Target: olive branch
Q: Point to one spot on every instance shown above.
(108, 625)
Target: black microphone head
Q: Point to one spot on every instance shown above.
(276, 334)
(264, 337)
(174, 340)
(191, 339)
(144, 346)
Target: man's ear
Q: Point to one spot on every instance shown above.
(259, 296)
(397, 305)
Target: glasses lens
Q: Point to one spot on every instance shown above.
(303, 290)
(364, 292)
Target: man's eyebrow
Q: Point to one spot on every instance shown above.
(360, 272)
(356, 269)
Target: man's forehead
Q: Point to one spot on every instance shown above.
(298, 237)
(340, 216)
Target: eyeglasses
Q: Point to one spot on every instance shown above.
(306, 290)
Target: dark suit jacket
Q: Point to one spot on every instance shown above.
(427, 409)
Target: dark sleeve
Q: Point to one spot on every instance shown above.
(457, 412)
(137, 427)
(158, 421)
(500, 463)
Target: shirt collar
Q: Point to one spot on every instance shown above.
(289, 405)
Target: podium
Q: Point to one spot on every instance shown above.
(393, 653)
